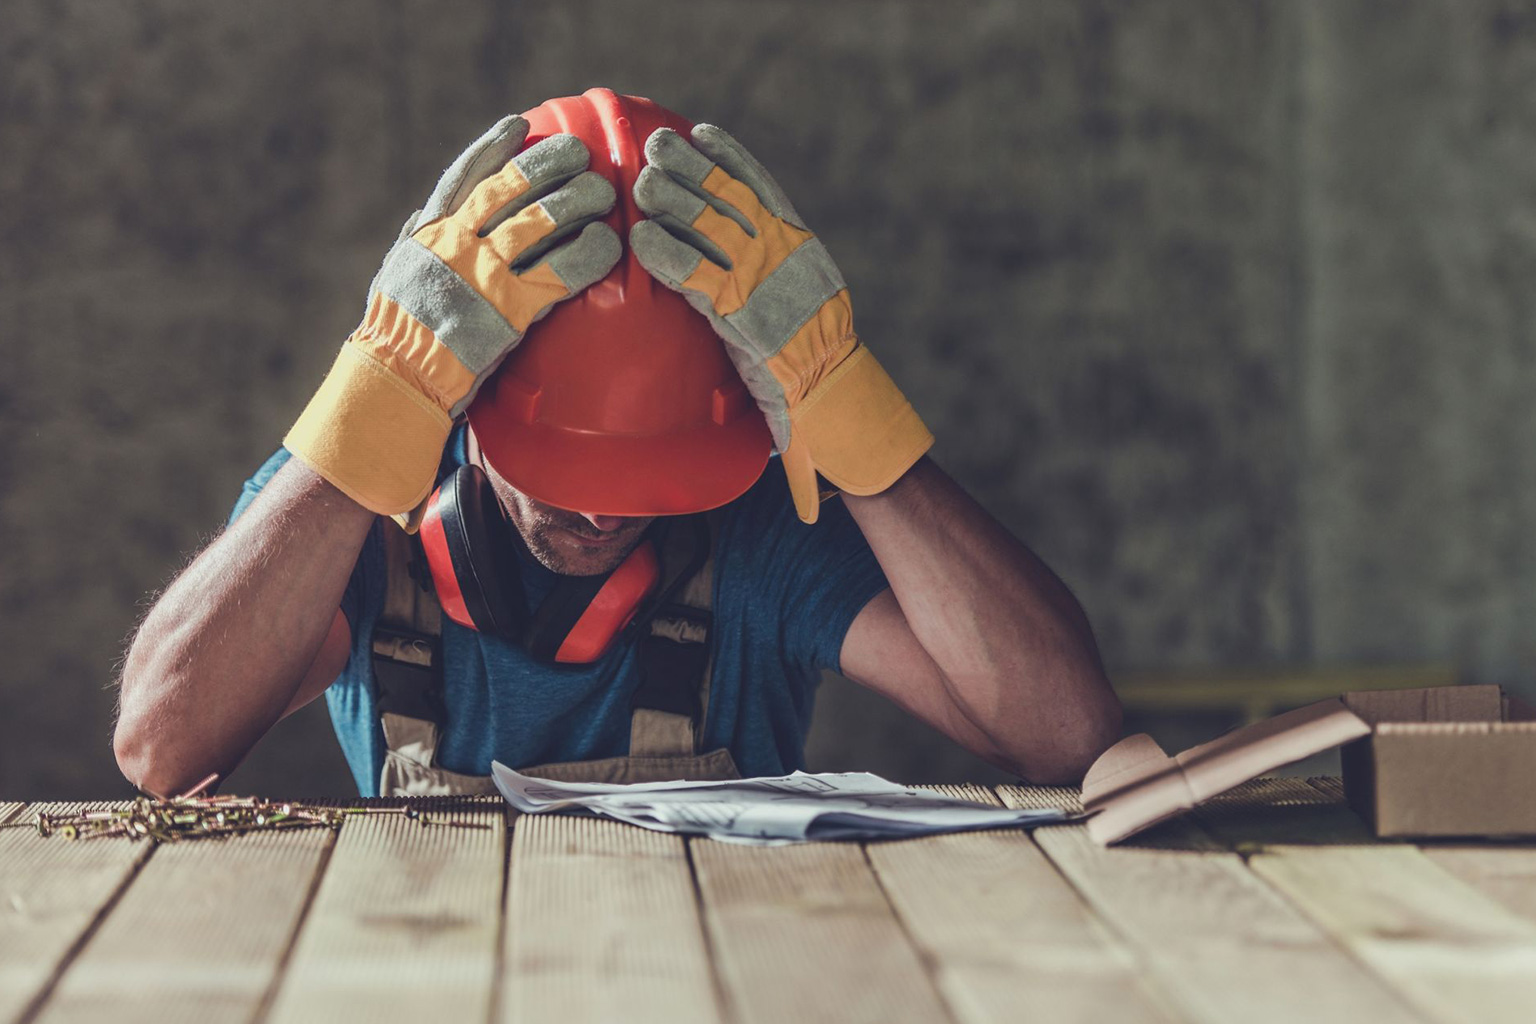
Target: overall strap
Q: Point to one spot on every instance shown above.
(407, 651)
(668, 706)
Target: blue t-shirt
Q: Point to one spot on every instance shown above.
(785, 594)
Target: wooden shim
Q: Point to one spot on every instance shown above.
(52, 893)
(1222, 945)
(804, 934)
(1454, 952)
(404, 926)
(603, 925)
(1007, 937)
(199, 935)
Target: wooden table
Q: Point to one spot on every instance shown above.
(1273, 904)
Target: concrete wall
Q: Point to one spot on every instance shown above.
(1222, 307)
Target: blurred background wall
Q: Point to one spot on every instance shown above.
(1224, 307)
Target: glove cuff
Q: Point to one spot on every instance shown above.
(856, 429)
(372, 435)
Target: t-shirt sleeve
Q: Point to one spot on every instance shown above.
(350, 600)
(818, 576)
(258, 480)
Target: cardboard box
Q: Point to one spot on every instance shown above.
(1445, 761)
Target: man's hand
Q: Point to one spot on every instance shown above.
(723, 234)
(455, 295)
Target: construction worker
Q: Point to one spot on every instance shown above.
(526, 516)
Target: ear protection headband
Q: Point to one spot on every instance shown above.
(471, 552)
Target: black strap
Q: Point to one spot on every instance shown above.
(407, 671)
(674, 644)
(671, 670)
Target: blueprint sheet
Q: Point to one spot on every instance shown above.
(768, 811)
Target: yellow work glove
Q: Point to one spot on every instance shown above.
(471, 270)
(722, 233)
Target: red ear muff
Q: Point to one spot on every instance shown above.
(612, 607)
(471, 553)
(469, 549)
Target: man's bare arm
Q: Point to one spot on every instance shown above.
(248, 632)
(977, 636)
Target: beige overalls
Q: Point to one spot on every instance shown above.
(668, 705)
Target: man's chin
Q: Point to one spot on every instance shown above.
(559, 552)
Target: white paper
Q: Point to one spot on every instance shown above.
(768, 811)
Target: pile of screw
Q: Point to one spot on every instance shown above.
(191, 816)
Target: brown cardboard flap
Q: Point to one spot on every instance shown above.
(1432, 704)
(1135, 784)
(1455, 729)
(1128, 763)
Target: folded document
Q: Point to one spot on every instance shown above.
(793, 808)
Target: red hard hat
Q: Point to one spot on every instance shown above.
(622, 401)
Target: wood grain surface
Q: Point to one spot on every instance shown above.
(53, 894)
(603, 925)
(178, 912)
(1005, 935)
(1452, 951)
(804, 933)
(404, 925)
(1270, 903)
(1223, 945)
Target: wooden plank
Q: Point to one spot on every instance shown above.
(603, 925)
(1008, 938)
(198, 937)
(1504, 873)
(52, 893)
(1220, 943)
(1454, 952)
(804, 934)
(406, 923)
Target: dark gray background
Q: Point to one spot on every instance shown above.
(1224, 307)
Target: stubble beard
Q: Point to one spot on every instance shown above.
(547, 537)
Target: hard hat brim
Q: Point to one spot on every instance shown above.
(620, 475)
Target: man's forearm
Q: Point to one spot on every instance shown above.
(219, 657)
(1014, 646)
